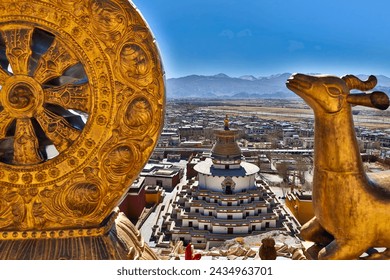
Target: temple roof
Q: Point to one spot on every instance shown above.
(226, 147)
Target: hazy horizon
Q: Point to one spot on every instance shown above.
(274, 74)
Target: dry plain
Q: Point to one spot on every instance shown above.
(297, 111)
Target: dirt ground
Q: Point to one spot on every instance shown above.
(365, 118)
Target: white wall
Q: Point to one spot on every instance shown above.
(194, 208)
(224, 215)
(224, 229)
(202, 224)
(187, 237)
(215, 183)
(257, 225)
(272, 223)
(166, 182)
(187, 221)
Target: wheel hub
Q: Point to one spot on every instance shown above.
(21, 97)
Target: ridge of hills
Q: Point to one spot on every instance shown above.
(222, 86)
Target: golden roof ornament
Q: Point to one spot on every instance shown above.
(82, 105)
(226, 123)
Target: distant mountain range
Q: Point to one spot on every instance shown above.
(221, 86)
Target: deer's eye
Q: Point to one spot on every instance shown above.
(333, 90)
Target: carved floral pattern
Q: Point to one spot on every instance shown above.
(138, 114)
(108, 20)
(82, 198)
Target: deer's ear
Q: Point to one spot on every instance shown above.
(376, 99)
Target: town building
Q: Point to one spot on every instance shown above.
(166, 176)
(139, 198)
(134, 202)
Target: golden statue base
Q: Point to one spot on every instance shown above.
(117, 239)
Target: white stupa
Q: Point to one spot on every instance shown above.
(225, 171)
(226, 200)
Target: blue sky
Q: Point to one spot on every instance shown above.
(264, 37)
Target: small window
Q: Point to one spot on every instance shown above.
(228, 190)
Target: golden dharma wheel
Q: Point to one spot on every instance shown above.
(81, 108)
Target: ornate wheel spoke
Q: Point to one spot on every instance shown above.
(57, 129)
(70, 97)
(5, 121)
(54, 62)
(18, 48)
(26, 143)
(3, 76)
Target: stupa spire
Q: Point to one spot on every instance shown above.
(226, 121)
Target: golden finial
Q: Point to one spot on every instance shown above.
(226, 121)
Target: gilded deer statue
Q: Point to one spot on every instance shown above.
(352, 210)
